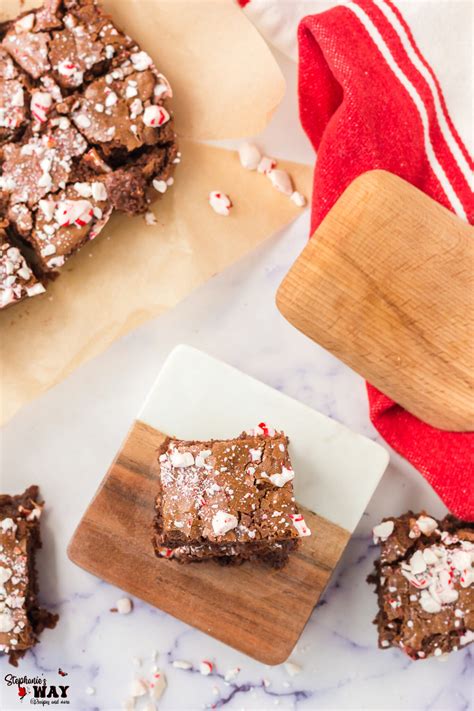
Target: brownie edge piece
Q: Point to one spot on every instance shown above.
(228, 500)
(424, 581)
(21, 618)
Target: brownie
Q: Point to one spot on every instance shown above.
(229, 500)
(21, 618)
(424, 580)
(85, 129)
(17, 281)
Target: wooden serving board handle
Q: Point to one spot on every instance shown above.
(386, 284)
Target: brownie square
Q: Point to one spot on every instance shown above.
(425, 584)
(84, 129)
(21, 619)
(231, 500)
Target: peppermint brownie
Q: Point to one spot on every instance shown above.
(425, 584)
(21, 619)
(84, 129)
(230, 500)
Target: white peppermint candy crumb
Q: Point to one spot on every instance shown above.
(99, 191)
(5, 574)
(249, 156)
(8, 524)
(256, 455)
(292, 669)
(7, 623)
(383, 531)
(428, 603)
(222, 522)
(417, 563)
(25, 24)
(35, 290)
(150, 219)
(281, 181)
(141, 61)
(82, 121)
(220, 203)
(298, 199)
(138, 688)
(181, 459)
(180, 664)
(90, 691)
(427, 525)
(466, 638)
(124, 605)
(160, 186)
(159, 687)
(283, 477)
(231, 674)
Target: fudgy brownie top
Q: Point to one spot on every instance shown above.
(19, 536)
(223, 491)
(425, 582)
(84, 128)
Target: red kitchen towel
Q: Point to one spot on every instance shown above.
(368, 99)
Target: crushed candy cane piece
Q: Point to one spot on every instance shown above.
(141, 61)
(249, 155)
(159, 685)
(292, 669)
(154, 116)
(283, 477)
(298, 199)
(90, 691)
(383, 531)
(222, 522)
(73, 212)
(206, 667)
(281, 181)
(181, 664)
(262, 429)
(41, 102)
(124, 605)
(266, 165)
(220, 202)
(150, 218)
(160, 186)
(427, 525)
(181, 459)
(300, 524)
(138, 688)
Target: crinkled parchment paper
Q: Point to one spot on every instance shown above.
(226, 84)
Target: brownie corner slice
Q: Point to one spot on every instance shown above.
(17, 281)
(229, 500)
(21, 618)
(424, 581)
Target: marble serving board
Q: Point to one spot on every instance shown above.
(253, 608)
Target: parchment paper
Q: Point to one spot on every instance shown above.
(133, 272)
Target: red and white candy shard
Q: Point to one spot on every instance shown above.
(222, 522)
(300, 524)
(41, 102)
(206, 667)
(74, 212)
(155, 116)
(250, 156)
(165, 552)
(383, 531)
(266, 165)
(262, 429)
(220, 203)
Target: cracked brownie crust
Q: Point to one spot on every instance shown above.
(21, 618)
(231, 500)
(425, 584)
(85, 129)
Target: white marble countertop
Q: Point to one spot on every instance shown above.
(66, 440)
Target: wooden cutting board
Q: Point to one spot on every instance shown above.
(386, 284)
(253, 608)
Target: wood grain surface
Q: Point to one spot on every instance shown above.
(386, 284)
(253, 608)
